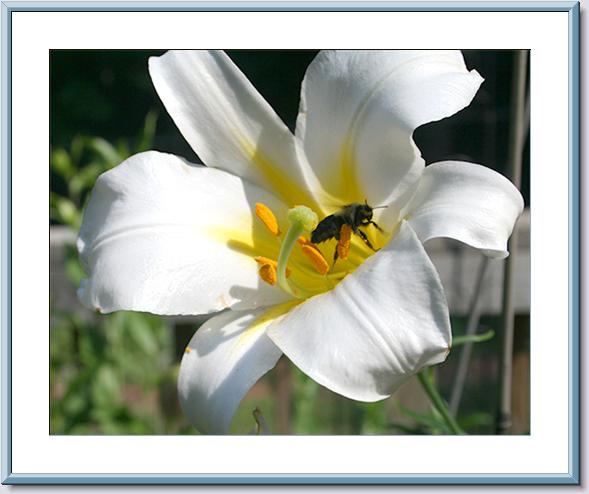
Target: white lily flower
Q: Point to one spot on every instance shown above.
(169, 237)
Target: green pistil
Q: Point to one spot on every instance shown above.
(302, 220)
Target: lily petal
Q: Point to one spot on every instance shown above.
(164, 236)
(227, 122)
(379, 326)
(467, 202)
(223, 360)
(359, 110)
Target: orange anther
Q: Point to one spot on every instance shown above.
(267, 217)
(268, 273)
(343, 244)
(261, 260)
(316, 258)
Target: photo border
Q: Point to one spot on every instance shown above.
(573, 9)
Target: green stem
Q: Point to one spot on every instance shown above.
(294, 232)
(302, 220)
(438, 402)
(472, 338)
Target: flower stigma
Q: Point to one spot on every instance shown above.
(302, 220)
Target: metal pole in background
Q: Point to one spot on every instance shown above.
(516, 143)
(471, 327)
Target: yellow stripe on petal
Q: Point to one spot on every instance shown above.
(268, 317)
(280, 184)
(247, 240)
(350, 186)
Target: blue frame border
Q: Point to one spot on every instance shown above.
(573, 9)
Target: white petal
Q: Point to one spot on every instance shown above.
(227, 122)
(379, 326)
(224, 359)
(164, 236)
(359, 110)
(466, 202)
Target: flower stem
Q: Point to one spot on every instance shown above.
(437, 401)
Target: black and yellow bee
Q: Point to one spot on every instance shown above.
(354, 215)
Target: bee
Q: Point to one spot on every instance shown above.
(354, 215)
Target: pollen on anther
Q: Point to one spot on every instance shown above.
(343, 244)
(266, 216)
(316, 258)
(268, 274)
(187, 349)
(261, 260)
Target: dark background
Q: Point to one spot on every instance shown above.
(108, 93)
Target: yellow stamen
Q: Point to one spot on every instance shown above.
(187, 349)
(267, 217)
(343, 244)
(261, 260)
(268, 274)
(316, 258)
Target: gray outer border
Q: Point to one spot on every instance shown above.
(573, 477)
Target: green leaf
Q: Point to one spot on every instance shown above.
(74, 270)
(475, 338)
(148, 132)
(405, 429)
(62, 163)
(77, 147)
(375, 417)
(141, 334)
(305, 417)
(106, 390)
(83, 181)
(430, 421)
(105, 150)
(476, 420)
(123, 149)
(67, 212)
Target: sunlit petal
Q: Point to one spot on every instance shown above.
(466, 202)
(227, 122)
(164, 236)
(377, 327)
(223, 360)
(359, 110)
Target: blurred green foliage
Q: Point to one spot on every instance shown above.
(116, 373)
(76, 169)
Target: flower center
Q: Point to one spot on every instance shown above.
(302, 222)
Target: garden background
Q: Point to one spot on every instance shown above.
(116, 374)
